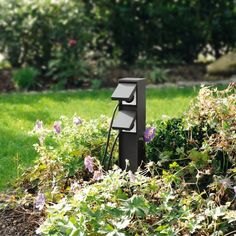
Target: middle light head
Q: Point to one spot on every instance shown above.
(124, 120)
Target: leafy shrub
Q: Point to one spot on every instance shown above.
(66, 67)
(62, 151)
(158, 75)
(25, 77)
(203, 141)
(126, 204)
(182, 191)
(216, 110)
(33, 32)
(51, 36)
(168, 31)
(170, 141)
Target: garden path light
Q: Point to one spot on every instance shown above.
(130, 121)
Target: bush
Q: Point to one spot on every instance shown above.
(68, 40)
(203, 141)
(169, 31)
(52, 36)
(185, 187)
(182, 191)
(158, 75)
(62, 150)
(25, 78)
(215, 111)
(122, 203)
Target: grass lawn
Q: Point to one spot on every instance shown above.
(18, 113)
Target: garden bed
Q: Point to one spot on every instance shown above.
(187, 187)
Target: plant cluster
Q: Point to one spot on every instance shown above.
(62, 151)
(170, 31)
(207, 132)
(26, 77)
(215, 112)
(185, 192)
(51, 36)
(143, 203)
(188, 186)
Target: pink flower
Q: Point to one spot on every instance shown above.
(97, 175)
(77, 120)
(57, 127)
(88, 163)
(72, 42)
(40, 201)
(149, 134)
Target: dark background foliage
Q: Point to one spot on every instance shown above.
(167, 29)
(108, 33)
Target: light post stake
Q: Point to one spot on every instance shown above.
(131, 120)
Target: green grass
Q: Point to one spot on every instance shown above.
(18, 113)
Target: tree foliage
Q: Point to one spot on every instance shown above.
(167, 31)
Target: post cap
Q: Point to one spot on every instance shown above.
(124, 92)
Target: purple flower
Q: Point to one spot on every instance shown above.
(88, 163)
(97, 175)
(40, 201)
(57, 127)
(149, 134)
(38, 125)
(77, 120)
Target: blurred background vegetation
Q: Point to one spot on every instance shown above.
(72, 43)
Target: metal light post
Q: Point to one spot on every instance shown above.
(130, 120)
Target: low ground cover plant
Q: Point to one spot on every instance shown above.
(126, 204)
(25, 78)
(188, 186)
(62, 151)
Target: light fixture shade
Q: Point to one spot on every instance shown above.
(124, 92)
(124, 120)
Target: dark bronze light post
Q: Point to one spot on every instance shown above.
(130, 121)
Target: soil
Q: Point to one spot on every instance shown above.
(20, 221)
